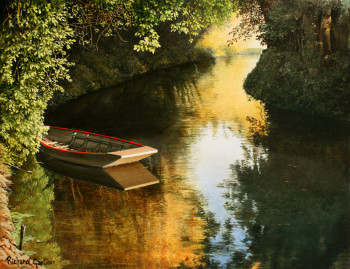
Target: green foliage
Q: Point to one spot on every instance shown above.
(306, 66)
(281, 33)
(287, 23)
(142, 18)
(33, 59)
(308, 83)
(30, 204)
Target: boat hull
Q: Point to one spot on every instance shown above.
(90, 149)
(96, 160)
(123, 177)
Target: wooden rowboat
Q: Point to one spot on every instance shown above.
(90, 149)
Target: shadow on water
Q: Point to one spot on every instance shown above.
(146, 105)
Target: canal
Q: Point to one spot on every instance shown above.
(241, 186)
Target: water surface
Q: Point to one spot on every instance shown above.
(240, 187)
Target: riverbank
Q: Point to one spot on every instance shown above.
(306, 84)
(10, 255)
(306, 65)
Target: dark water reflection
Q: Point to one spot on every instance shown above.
(145, 106)
(294, 201)
(240, 187)
(30, 204)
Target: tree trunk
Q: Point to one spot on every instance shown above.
(325, 32)
(340, 31)
(265, 6)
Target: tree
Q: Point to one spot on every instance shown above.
(253, 14)
(93, 19)
(305, 67)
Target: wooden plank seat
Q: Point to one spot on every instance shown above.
(56, 144)
(91, 144)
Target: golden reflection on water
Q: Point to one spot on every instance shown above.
(161, 226)
(222, 96)
(137, 229)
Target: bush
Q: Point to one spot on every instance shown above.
(312, 84)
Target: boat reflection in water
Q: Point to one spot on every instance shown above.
(124, 177)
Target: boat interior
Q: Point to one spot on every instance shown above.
(84, 142)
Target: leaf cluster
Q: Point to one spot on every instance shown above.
(251, 16)
(94, 19)
(287, 24)
(33, 44)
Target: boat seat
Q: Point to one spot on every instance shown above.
(73, 144)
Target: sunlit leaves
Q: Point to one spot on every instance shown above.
(94, 19)
(32, 57)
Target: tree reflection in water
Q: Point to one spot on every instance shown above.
(294, 202)
(30, 203)
(146, 105)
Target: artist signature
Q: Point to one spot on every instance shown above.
(29, 261)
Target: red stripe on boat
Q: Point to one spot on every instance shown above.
(84, 152)
(99, 135)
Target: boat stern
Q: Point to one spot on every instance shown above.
(131, 155)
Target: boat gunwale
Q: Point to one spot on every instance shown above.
(85, 152)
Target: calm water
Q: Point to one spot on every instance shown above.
(240, 187)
